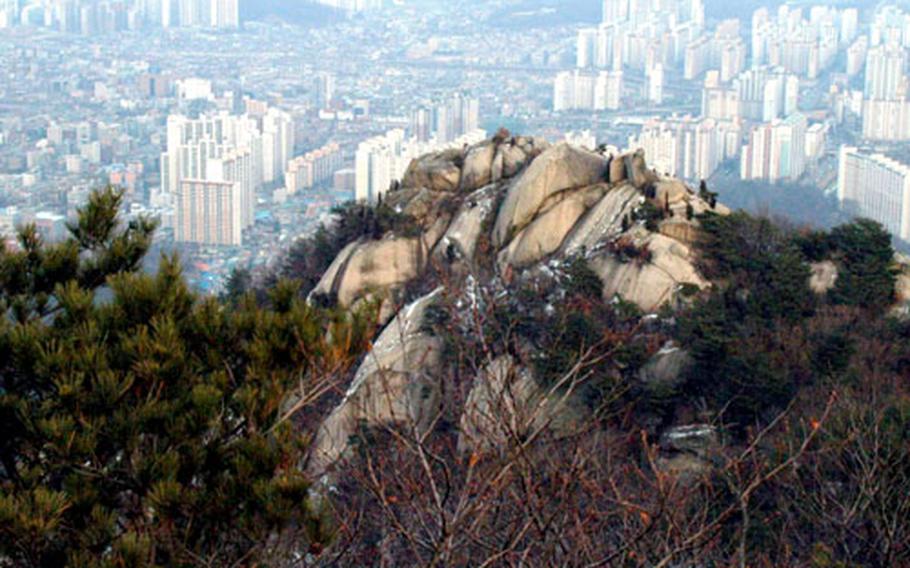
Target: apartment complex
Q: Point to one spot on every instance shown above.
(249, 150)
(776, 151)
(875, 186)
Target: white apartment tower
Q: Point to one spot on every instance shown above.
(689, 148)
(585, 90)
(224, 13)
(244, 150)
(877, 187)
(884, 72)
(776, 150)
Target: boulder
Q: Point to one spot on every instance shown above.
(648, 284)
(617, 170)
(397, 383)
(437, 172)
(697, 439)
(370, 268)
(509, 160)
(637, 170)
(546, 233)
(326, 284)
(558, 169)
(420, 203)
(823, 278)
(671, 192)
(666, 369)
(688, 451)
(464, 232)
(532, 146)
(478, 166)
(902, 286)
(604, 220)
(700, 206)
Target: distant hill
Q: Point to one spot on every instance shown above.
(547, 13)
(299, 12)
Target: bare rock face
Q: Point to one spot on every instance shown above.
(824, 277)
(637, 170)
(557, 200)
(506, 400)
(672, 192)
(558, 169)
(499, 403)
(680, 229)
(532, 146)
(604, 221)
(396, 384)
(509, 160)
(462, 236)
(478, 166)
(437, 172)
(373, 269)
(546, 233)
(418, 202)
(649, 284)
(617, 171)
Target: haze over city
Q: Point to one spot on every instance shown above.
(288, 108)
(454, 283)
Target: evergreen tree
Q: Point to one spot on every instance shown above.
(239, 283)
(867, 276)
(145, 426)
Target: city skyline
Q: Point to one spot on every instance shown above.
(322, 114)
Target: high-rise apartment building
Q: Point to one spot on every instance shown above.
(444, 121)
(313, 168)
(856, 56)
(9, 13)
(875, 186)
(378, 162)
(656, 84)
(224, 13)
(890, 26)
(586, 49)
(885, 72)
(615, 11)
(90, 17)
(759, 94)
(724, 51)
(804, 47)
(776, 151)
(208, 212)
(277, 128)
(584, 90)
(689, 148)
(246, 150)
(353, 6)
(323, 90)
(886, 120)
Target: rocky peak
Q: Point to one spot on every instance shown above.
(510, 207)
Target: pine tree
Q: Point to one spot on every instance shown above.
(141, 424)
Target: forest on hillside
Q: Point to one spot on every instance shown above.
(155, 427)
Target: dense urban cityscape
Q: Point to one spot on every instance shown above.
(240, 135)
